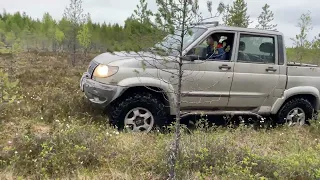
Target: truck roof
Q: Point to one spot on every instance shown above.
(232, 28)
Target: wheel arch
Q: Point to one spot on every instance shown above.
(154, 86)
(306, 92)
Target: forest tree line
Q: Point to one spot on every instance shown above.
(76, 32)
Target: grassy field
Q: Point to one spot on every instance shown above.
(54, 133)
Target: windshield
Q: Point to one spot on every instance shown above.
(171, 43)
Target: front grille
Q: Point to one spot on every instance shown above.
(92, 67)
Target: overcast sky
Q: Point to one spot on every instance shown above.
(286, 12)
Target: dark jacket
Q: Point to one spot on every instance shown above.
(218, 54)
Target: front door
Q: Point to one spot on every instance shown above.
(206, 83)
(256, 72)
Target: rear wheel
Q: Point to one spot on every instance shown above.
(295, 112)
(139, 112)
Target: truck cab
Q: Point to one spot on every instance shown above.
(253, 72)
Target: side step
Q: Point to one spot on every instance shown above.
(232, 113)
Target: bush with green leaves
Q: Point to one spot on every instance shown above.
(70, 148)
(8, 89)
(62, 153)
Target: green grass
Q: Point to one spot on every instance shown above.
(54, 133)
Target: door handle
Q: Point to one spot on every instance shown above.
(271, 69)
(224, 66)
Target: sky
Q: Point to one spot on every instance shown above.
(286, 13)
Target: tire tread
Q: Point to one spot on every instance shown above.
(296, 102)
(118, 108)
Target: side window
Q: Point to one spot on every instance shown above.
(216, 47)
(256, 49)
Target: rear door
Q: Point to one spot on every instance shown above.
(256, 77)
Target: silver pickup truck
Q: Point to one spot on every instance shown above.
(254, 76)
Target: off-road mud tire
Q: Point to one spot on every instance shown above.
(123, 105)
(304, 104)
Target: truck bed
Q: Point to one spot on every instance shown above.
(303, 75)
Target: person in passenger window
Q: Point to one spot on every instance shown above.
(216, 50)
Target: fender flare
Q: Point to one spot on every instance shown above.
(300, 90)
(150, 82)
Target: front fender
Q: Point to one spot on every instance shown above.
(167, 88)
(301, 90)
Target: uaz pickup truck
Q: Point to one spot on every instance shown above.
(254, 77)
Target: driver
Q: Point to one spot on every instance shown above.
(215, 50)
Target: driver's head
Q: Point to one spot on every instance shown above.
(211, 39)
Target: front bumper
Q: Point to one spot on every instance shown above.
(98, 93)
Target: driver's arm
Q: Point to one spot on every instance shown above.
(209, 52)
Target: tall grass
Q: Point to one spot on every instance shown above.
(54, 133)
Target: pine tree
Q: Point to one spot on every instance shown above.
(142, 13)
(2, 37)
(236, 15)
(139, 27)
(8, 89)
(65, 26)
(74, 14)
(301, 42)
(27, 38)
(2, 30)
(226, 15)
(59, 37)
(176, 18)
(316, 49)
(265, 19)
(84, 38)
(48, 30)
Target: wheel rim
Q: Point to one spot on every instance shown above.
(296, 116)
(139, 120)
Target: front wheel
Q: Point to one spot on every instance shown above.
(139, 112)
(295, 112)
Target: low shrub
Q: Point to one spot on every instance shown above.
(54, 133)
(73, 150)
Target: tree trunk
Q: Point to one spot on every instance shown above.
(74, 55)
(85, 54)
(74, 39)
(176, 145)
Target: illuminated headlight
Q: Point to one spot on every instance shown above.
(103, 71)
